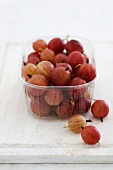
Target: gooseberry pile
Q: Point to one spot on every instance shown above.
(58, 75)
(59, 72)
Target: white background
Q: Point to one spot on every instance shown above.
(21, 20)
(24, 19)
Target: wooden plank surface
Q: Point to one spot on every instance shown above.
(56, 166)
(27, 139)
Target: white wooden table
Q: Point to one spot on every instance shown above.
(28, 139)
(19, 130)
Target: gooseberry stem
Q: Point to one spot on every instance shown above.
(32, 98)
(92, 99)
(66, 126)
(78, 65)
(67, 68)
(101, 119)
(24, 63)
(67, 38)
(29, 75)
(89, 120)
(98, 144)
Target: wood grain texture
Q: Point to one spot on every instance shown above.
(56, 166)
(27, 139)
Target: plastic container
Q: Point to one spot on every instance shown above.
(69, 99)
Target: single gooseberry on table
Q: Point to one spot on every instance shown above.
(76, 122)
(100, 109)
(90, 135)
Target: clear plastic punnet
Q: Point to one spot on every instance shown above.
(58, 101)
